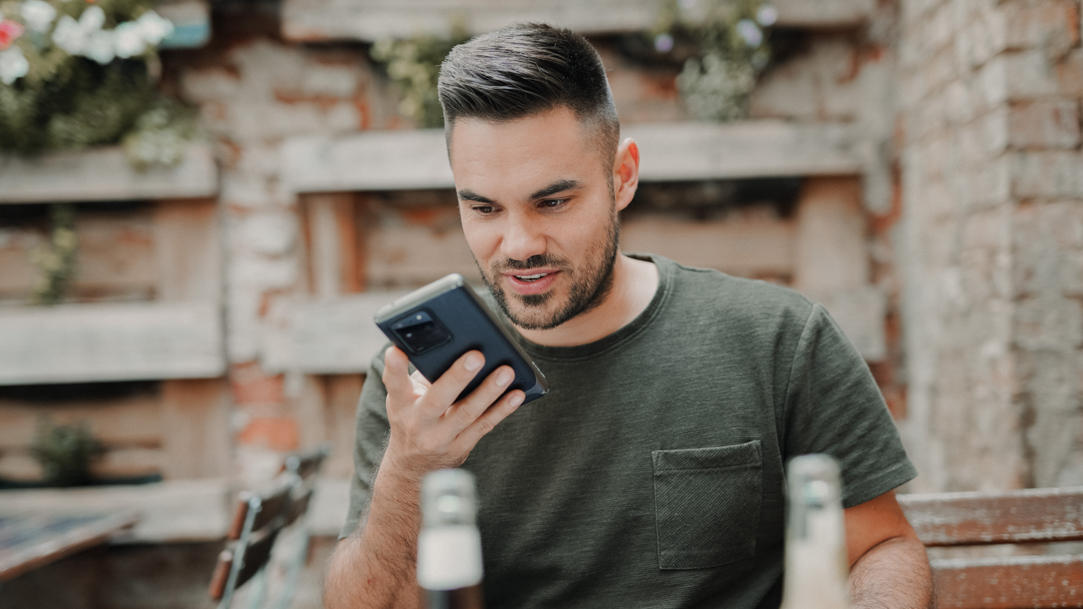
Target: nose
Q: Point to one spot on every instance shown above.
(523, 238)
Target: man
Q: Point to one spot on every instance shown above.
(652, 474)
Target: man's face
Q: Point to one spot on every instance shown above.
(538, 212)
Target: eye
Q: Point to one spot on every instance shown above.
(484, 209)
(552, 203)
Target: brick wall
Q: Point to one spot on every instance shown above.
(992, 183)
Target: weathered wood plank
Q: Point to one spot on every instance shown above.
(115, 258)
(1035, 582)
(196, 414)
(330, 221)
(832, 261)
(324, 337)
(132, 421)
(187, 252)
(183, 510)
(748, 245)
(417, 159)
(99, 342)
(105, 174)
(1032, 515)
(408, 248)
(312, 20)
(342, 393)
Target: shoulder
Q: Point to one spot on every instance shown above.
(715, 298)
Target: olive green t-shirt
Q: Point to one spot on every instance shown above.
(651, 475)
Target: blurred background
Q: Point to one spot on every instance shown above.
(202, 203)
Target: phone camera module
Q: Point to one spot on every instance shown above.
(420, 332)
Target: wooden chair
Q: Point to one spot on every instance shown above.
(1011, 517)
(303, 467)
(257, 521)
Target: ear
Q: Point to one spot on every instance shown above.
(626, 173)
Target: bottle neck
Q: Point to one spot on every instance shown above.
(816, 565)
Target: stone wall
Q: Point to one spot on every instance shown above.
(992, 182)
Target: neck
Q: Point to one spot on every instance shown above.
(634, 285)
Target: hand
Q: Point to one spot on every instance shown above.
(429, 430)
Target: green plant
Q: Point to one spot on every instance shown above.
(413, 65)
(65, 452)
(58, 260)
(77, 73)
(730, 38)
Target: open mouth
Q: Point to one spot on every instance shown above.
(531, 278)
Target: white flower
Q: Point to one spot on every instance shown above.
(750, 32)
(767, 15)
(100, 47)
(92, 19)
(68, 36)
(13, 65)
(85, 37)
(38, 15)
(128, 39)
(155, 27)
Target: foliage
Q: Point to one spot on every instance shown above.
(413, 66)
(730, 38)
(65, 452)
(78, 73)
(57, 261)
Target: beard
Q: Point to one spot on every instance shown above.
(590, 284)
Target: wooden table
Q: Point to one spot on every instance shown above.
(28, 542)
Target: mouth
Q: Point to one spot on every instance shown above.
(532, 281)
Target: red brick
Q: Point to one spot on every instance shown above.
(1044, 124)
(277, 433)
(1052, 25)
(1070, 74)
(251, 386)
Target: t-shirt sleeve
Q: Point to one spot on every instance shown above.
(834, 406)
(371, 440)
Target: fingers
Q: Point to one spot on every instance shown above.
(470, 436)
(447, 388)
(396, 375)
(474, 405)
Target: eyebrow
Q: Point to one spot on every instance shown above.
(468, 195)
(554, 188)
(559, 186)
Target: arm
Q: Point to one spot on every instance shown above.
(375, 567)
(888, 565)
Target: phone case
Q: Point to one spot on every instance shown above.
(436, 324)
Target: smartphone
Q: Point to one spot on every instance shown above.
(436, 324)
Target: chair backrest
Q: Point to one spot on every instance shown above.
(256, 522)
(305, 464)
(1008, 517)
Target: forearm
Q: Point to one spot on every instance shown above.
(376, 567)
(892, 575)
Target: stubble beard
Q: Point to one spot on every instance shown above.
(589, 288)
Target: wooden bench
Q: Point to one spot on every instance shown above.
(1010, 517)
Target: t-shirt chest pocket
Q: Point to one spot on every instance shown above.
(707, 504)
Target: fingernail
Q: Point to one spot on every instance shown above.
(503, 378)
(516, 400)
(473, 362)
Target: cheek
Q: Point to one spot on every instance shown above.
(482, 242)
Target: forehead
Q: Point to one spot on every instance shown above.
(505, 160)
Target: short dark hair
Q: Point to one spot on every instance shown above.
(527, 69)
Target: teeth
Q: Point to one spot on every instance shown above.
(531, 277)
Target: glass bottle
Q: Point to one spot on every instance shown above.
(449, 565)
(816, 564)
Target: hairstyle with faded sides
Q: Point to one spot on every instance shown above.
(528, 69)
